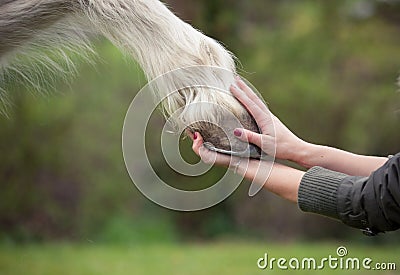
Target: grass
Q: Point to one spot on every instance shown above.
(212, 258)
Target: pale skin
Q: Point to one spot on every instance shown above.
(283, 180)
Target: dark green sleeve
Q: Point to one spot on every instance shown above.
(369, 203)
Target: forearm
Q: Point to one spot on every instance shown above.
(311, 155)
(283, 181)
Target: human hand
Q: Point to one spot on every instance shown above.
(277, 178)
(274, 134)
(211, 157)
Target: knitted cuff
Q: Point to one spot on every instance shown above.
(318, 191)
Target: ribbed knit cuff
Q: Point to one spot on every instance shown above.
(318, 191)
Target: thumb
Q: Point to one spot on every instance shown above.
(248, 136)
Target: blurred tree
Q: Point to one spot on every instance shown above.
(221, 19)
(329, 76)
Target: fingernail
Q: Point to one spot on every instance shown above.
(195, 136)
(237, 132)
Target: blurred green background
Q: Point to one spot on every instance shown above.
(328, 69)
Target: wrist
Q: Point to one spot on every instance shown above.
(284, 181)
(303, 153)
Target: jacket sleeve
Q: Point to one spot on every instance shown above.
(369, 203)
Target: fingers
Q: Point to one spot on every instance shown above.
(197, 142)
(260, 115)
(251, 94)
(249, 136)
(211, 157)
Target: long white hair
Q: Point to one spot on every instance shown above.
(144, 29)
